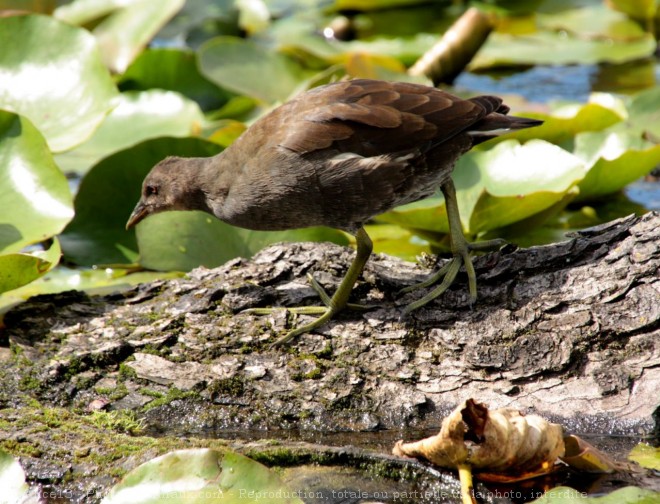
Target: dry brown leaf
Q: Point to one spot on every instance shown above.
(497, 441)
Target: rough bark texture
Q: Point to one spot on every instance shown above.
(568, 330)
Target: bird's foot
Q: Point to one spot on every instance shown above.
(327, 300)
(326, 312)
(461, 250)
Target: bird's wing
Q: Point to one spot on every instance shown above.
(372, 118)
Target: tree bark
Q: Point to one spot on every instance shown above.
(568, 330)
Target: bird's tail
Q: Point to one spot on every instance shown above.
(496, 121)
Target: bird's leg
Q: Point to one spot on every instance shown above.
(335, 303)
(460, 248)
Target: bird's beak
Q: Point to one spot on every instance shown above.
(140, 212)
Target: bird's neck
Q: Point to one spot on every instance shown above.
(196, 178)
(212, 181)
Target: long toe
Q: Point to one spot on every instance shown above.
(450, 271)
(328, 313)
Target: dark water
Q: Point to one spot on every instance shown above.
(540, 84)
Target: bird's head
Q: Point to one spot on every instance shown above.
(170, 185)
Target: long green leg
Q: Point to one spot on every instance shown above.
(460, 248)
(338, 301)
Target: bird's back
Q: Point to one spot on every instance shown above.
(344, 152)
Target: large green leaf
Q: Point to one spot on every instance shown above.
(137, 116)
(547, 48)
(84, 12)
(615, 159)
(374, 4)
(201, 476)
(646, 456)
(514, 169)
(200, 20)
(108, 194)
(396, 241)
(94, 281)
(176, 70)
(522, 180)
(51, 73)
(17, 270)
(627, 495)
(181, 241)
(299, 38)
(35, 201)
(254, 241)
(644, 110)
(41, 6)
(125, 33)
(563, 123)
(593, 21)
(639, 9)
(243, 67)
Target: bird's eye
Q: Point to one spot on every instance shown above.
(151, 190)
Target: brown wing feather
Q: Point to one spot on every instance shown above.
(377, 117)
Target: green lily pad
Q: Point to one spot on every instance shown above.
(615, 159)
(227, 132)
(397, 241)
(125, 33)
(522, 180)
(593, 21)
(240, 66)
(84, 12)
(366, 5)
(253, 16)
(602, 111)
(369, 66)
(200, 20)
(94, 281)
(548, 48)
(428, 214)
(137, 116)
(12, 479)
(646, 456)
(254, 241)
(181, 241)
(17, 270)
(644, 110)
(108, 194)
(515, 169)
(201, 476)
(537, 229)
(174, 70)
(310, 47)
(34, 191)
(638, 9)
(40, 6)
(52, 74)
(627, 495)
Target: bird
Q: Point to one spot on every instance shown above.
(336, 156)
